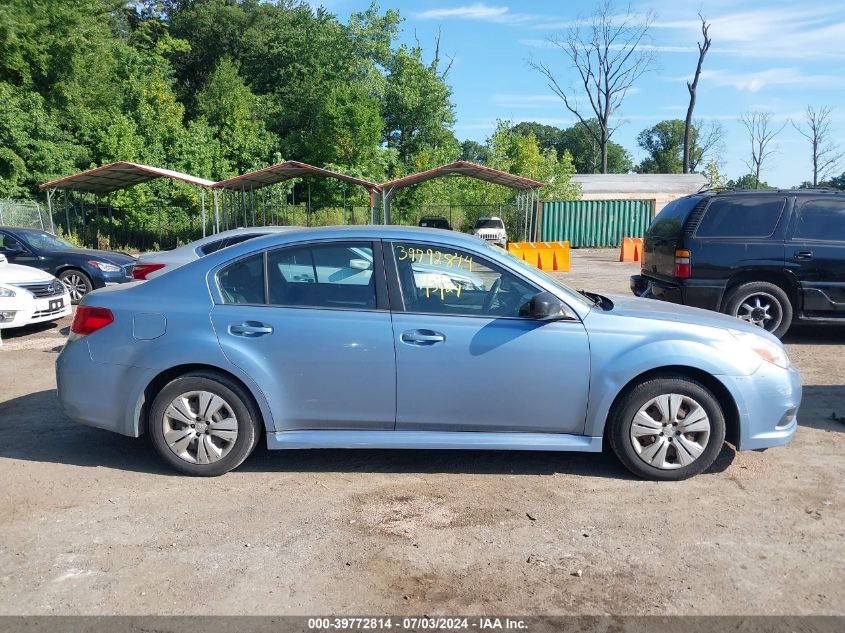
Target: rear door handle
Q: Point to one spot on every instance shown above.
(804, 255)
(250, 329)
(422, 337)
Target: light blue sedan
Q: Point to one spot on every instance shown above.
(390, 337)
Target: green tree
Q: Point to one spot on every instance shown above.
(748, 181)
(586, 152)
(664, 143)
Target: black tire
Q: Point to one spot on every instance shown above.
(237, 400)
(743, 296)
(77, 282)
(621, 420)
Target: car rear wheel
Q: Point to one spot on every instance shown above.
(204, 425)
(668, 428)
(762, 304)
(78, 284)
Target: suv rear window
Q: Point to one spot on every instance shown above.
(822, 220)
(671, 218)
(741, 216)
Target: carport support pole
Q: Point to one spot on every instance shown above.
(216, 204)
(386, 196)
(50, 193)
(67, 213)
(202, 206)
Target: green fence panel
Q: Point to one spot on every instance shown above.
(594, 223)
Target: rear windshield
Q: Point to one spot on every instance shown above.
(741, 216)
(670, 221)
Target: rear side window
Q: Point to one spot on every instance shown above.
(336, 275)
(212, 247)
(668, 223)
(741, 216)
(243, 281)
(821, 220)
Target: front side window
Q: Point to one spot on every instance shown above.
(7, 242)
(741, 216)
(338, 275)
(821, 220)
(243, 281)
(442, 280)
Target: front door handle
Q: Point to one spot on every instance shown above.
(250, 329)
(422, 337)
(804, 256)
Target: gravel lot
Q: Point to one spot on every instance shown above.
(92, 523)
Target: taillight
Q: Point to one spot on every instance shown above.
(89, 319)
(140, 271)
(682, 265)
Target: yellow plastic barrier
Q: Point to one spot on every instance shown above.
(638, 249)
(562, 261)
(531, 254)
(546, 259)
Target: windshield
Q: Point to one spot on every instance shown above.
(39, 239)
(518, 263)
(489, 224)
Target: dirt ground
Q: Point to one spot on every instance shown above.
(93, 523)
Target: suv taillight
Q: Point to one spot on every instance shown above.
(682, 265)
(89, 319)
(140, 271)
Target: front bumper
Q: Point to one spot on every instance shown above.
(767, 403)
(31, 310)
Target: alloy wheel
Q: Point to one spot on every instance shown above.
(670, 431)
(75, 285)
(200, 427)
(761, 309)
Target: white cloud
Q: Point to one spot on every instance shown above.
(478, 11)
(756, 81)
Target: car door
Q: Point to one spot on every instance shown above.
(310, 323)
(466, 360)
(816, 253)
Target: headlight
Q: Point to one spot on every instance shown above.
(764, 348)
(106, 268)
(7, 292)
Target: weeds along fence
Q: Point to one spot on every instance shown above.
(462, 217)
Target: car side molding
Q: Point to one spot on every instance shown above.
(434, 440)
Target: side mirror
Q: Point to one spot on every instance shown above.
(543, 306)
(360, 264)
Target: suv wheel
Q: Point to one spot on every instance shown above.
(667, 428)
(762, 304)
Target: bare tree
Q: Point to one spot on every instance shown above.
(816, 129)
(607, 53)
(693, 87)
(707, 139)
(761, 133)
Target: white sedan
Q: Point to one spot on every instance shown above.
(29, 295)
(156, 263)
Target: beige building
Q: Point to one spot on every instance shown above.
(659, 188)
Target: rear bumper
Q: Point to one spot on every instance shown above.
(698, 293)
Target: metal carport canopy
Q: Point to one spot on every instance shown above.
(459, 168)
(119, 175)
(286, 171)
(116, 176)
(464, 168)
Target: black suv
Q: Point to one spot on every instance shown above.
(765, 256)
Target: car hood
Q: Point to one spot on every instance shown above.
(15, 274)
(638, 308)
(112, 257)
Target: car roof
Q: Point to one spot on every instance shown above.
(772, 192)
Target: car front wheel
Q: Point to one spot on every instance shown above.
(667, 428)
(78, 284)
(203, 424)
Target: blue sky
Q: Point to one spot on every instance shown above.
(776, 55)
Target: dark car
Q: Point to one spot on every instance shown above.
(435, 222)
(80, 269)
(767, 257)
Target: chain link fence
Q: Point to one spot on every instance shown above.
(24, 213)
(462, 217)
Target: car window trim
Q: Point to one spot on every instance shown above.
(397, 300)
(382, 301)
(737, 237)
